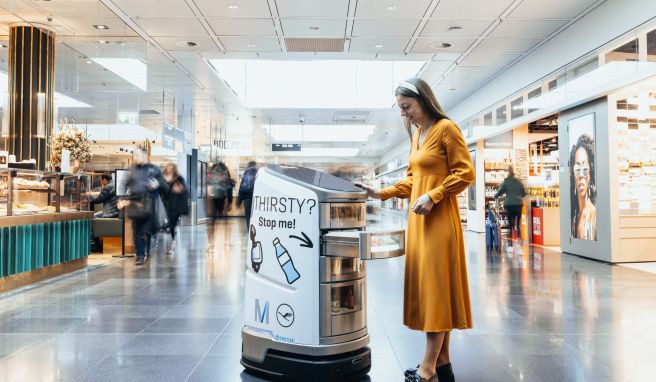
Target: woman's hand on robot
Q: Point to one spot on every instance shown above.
(371, 192)
(423, 205)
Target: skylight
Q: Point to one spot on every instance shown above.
(130, 69)
(319, 133)
(315, 84)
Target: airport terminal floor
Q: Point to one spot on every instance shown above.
(539, 315)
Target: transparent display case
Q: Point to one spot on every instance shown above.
(26, 192)
(75, 192)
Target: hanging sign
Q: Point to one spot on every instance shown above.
(168, 136)
(501, 141)
(233, 146)
(285, 147)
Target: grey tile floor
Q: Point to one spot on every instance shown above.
(539, 315)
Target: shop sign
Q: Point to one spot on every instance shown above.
(233, 146)
(168, 136)
(501, 141)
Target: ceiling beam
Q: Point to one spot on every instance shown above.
(203, 21)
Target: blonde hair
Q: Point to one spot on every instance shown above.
(426, 99)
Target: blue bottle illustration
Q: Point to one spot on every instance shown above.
(286, 262)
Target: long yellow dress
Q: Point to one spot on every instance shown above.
(436, 292)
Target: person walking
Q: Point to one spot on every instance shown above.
(107, 197)
(436, 291)
(514, 193)
(219, 200)
(176, 200)
(143, 187)
(246, 188)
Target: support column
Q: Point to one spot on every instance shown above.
(31, 92)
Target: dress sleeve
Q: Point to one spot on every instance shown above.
(402, 189)
(461, 169)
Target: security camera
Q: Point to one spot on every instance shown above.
(49, 19)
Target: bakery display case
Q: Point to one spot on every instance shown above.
(41, 237)
(27, 192)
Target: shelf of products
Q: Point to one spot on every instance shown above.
(496, 170)
(544, 196)
(636, 155)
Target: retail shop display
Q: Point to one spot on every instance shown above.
(305, 290)
(636, 155)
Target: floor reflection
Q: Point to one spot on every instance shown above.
(539, 315)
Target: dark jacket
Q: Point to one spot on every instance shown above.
(139, 176)
(108, 198)
(514, 191)
(247, 183)
(176, 204)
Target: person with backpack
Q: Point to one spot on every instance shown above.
(220, 185)
(176, 200)
(246, 190)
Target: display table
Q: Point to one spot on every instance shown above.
(40, 246)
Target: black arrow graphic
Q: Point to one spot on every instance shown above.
(307, 243)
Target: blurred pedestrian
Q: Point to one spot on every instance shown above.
(246, 190)
(514, 193)
(219, 200)
(143, 187)
(176, 200)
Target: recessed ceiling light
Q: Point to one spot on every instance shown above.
(391, 8)
(440, 45)
(454, 28)
(89, 62)
(378, 46)
(232, 6)
(103, 42)
(100, 26)
(3, 45)
(314, 28)
(251, 45)
(452, 89)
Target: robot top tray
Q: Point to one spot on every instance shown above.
(316, 178)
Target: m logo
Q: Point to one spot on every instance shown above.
(261, 315)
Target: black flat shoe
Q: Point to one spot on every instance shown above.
(445, 373)
(411, 370)
(415, 377)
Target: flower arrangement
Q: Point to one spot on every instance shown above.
(72, 139)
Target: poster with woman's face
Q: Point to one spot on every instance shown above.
(583, 186)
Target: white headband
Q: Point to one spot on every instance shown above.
(409, 86)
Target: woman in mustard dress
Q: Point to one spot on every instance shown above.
(436, 292)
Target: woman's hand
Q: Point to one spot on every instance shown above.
(177, 188)
(423, 205)
(371, 192)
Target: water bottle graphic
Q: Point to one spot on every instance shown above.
(286, 262)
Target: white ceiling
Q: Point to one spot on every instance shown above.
(492, 34)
